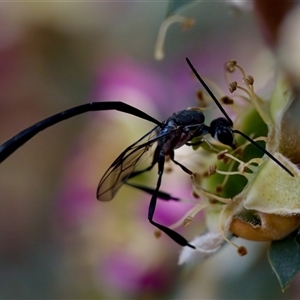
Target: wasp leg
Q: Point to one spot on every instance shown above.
(161, 195)
(185, 169)
(171, 233)
(136, 173)
(21, 138)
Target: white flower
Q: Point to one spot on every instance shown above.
(205, 245)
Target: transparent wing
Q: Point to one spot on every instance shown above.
(125, 164)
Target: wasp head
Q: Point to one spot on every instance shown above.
(221, 130)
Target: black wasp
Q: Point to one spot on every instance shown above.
(176, 131)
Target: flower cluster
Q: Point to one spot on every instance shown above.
(237, 199)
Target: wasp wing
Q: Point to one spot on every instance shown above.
(124, 165)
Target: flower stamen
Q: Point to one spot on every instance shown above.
(242, 166)
(212, 197)
(188, 217)
(248, 80)
(241, 250)
(159, 45)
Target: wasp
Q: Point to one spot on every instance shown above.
(178, 130)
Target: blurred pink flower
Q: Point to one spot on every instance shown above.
(124, 273)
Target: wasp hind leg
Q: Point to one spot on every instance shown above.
(160, 194)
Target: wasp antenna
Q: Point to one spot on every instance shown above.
(209, 91)
(263, 150)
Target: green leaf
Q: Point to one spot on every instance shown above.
(177, 5)
(284, 257)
